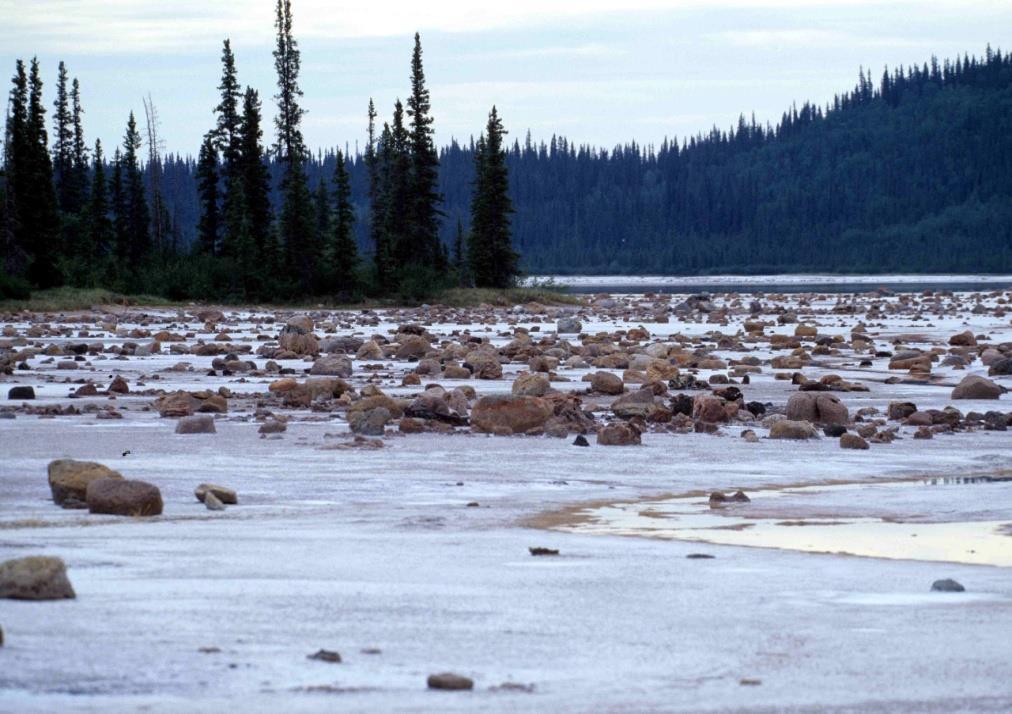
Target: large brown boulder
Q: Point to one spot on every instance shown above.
(299, 343)
(710, 409)
(200, 424)
(516, 413)
(619, 434)
(635, 404)
(179, 404)
(817, 407)
(332, 366)
(484, 365)
(963, 339)
(124, 498)
(35, 578)
(412, 346)
(789, 429)
(531, 385)
(69, 479)
(976, 387)
(606, 383)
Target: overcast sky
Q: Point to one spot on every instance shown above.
(597, 71)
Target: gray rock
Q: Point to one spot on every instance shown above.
(332, 366)
(948, 585)
(449, 681)
(568, 325)
(21, 392)
(199, 424)
(35, 578)
(212, 502)
(371, 422)
(221, 493)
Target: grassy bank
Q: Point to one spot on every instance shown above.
(67, 299)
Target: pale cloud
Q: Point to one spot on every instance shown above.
(179, 25)
(813, 38)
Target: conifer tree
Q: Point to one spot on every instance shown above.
(16, 174)
(425, 197)
(459, 260)
(228, 135)
(63, 142)
(99, 241)
(209, 226)
(396, 162)
(344, 252)
(79, 150)
(119, 210)
(38, 213)
(256, 181)
(377, 206)
(296, 225)
(138, 216)
(493, 261)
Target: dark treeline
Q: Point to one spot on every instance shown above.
(910, 172)
(244, 221)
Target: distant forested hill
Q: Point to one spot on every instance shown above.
(911, 172)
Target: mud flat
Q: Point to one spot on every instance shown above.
(390, 520)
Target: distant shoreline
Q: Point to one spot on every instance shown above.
(780, 279)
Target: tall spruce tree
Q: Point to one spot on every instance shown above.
(228, 133)
(344, 251)
(100, 237)
(396, 164)
(301, 254)
(209, 226)
(138, 215)
(493, 261)
(16, 174)
(256, 182)
(377, 206)
(63, 143)
(38, 212)
(459, 259)
(79, 151)
(425, 197)
(117, 190)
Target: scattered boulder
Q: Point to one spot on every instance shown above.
(531, 385)
(119, 386)
(817, 407)
(119, 497)
(635, 404)
(325, 656)
(332, 366)
(852, 441)
(619, 434)
(963, 339)
(580, 440)
(568, 325)
(900, 410)
(179, 404)
(273, 426)
(35, 578)
(222, 493)
(948, 585)
(199, 424)
(69, 479)
(21, 392)
(792, 429)
(412, 347)
(370, 422)
(1000, 368)
(606, 383)
(518, 414)
(213, 503)
(449, 681)
(975, 387)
